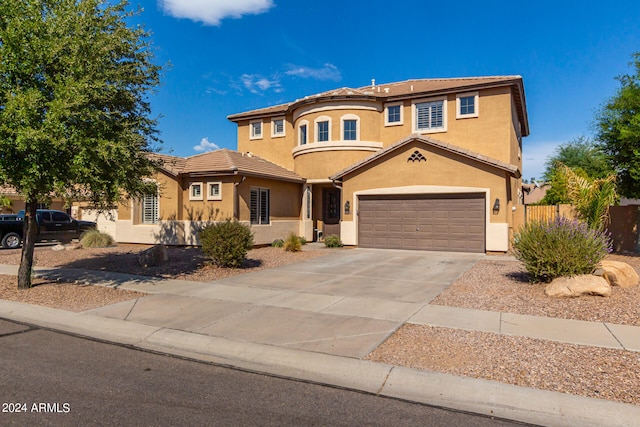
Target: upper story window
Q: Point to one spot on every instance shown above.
(323, 129)
(214, 191)
(255, 129)
(350, 127)
(467, 105)
(277, 127)
(350, 132)
(430, 115)
(303, 137)
(195, 191)
(393, 114)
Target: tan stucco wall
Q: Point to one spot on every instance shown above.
(321, 165)
(207, 210)
(440, 169)
(285, 198)
(276, 150)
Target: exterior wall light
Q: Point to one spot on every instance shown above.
(347, 208)
(496, 207)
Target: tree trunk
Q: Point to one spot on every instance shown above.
(30, 233)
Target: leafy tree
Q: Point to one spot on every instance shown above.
(618, 130)
(580, 153)
(584, 157)
(74, 114)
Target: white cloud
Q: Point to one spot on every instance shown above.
(211, 12)
(326, 72)
(256, 83)
(205, 145)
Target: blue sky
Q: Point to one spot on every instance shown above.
(232, 56)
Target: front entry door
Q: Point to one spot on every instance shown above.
(331, 211)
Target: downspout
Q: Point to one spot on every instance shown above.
(236, 198)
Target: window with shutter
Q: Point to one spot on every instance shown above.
(429, 116)
(259, 206)
(150, 209)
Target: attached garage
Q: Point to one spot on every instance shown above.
(433, 222)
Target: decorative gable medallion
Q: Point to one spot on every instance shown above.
(416, 157)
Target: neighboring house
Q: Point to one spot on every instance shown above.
(18, 204)
(430, 164)
(534, 192)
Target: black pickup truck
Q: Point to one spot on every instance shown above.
(52, 225)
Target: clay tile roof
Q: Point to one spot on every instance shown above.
(224, 162)
(512, 169)
(171, 164)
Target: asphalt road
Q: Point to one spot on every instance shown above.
(50, 378)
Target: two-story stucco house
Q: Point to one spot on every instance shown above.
(431, 164)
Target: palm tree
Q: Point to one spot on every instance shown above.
(590, 197)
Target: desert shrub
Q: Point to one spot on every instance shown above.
(303, 241)
(292, 243)
(226, 242)
(278, 243)
(95, 239)
(560, 248)
(332, 241)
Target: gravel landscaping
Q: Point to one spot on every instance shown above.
(567, 368)
(495, 284)
(500, 285)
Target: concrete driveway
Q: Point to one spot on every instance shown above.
(345, 303)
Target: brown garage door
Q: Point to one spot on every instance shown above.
(454, 222)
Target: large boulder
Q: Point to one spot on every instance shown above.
(155, 255)
(584, 284)
(617, 273)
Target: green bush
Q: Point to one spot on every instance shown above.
(278, 243)
(95, 239)
(303, 241)
(560, 248)
(292, 243)
(332, 241)
(226, 242)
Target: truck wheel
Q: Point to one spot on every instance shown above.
(11, 241)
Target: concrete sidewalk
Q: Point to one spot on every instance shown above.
(318, 319)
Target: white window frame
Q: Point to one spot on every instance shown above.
(154, 199)
(252, 133)
(303, 123)
(414, 104)
(214, 196)
(386, 114)
(275, 134)
(476, 105)
(260, 213)
(315, 128)
(350, 117)
(192, 186)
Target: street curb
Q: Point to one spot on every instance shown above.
(462, 393)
